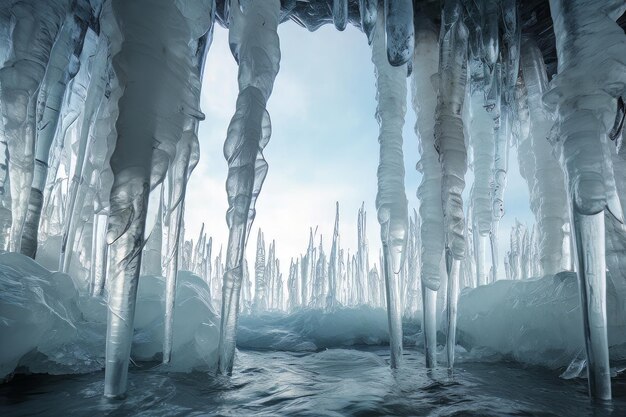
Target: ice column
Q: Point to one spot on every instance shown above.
(424, 98)
(450, 143)
(153, 61)
(548, 193)
(584, 94)
(391, 201)
(254, 41)
(35, 28)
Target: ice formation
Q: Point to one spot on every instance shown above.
(100, 108)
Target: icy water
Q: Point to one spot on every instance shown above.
(335, 382)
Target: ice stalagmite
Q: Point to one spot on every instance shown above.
(548, 194)
(153, 60)
(584, 95)
(62, 67)
(260, 301)
(255, 45)
(391, 201)
(35, 28)
(450, 143)
(361, 257)
(333, 266)
(481, 130)
(424, 98)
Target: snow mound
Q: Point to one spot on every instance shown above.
(48, 326)
(536, 321)
(313, 329)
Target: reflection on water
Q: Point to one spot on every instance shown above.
(335, 382)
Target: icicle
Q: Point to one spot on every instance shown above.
(368, 10)
(92, 78)
(361, 257)
(482, 130)
(340, 14)
(584, 94)
(548, 196)
(61, 68)
(449, 137)
(254, 39)
(424, 99)
(400, 38)
(391, 202)
(155, 89)
(35, 28)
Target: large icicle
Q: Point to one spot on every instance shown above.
(424, 98)
(254, 41)
(400, 39)
(391, 201)
(62, 67)
(450, 143)
(153, 60)
(591, 50)
(35, 28)
(548, 193)
(481, 130)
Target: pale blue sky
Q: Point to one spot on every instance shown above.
(324, 145)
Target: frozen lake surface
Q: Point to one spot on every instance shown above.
(334, 382)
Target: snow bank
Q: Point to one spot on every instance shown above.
(47, 326)
(536, 321)
(313, 329)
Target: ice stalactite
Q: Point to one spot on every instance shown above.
(187, 156)
(35, 29)
(153, 60)
(62, 67)
(254, 41)
(413, 291)
(391, 202)
(424, 99)
(510, 52)
(260, 301)
(548, 193)
(333, 266)
(400, 39)
(482, 131)
(584, 95)
(340, 14)
(450, 143)
(153, 250)
(368, 10)
(92, 81)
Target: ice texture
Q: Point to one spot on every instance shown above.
(254, 41)
(584, 95)
(391, 202)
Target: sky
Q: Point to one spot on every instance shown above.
(324, 146)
